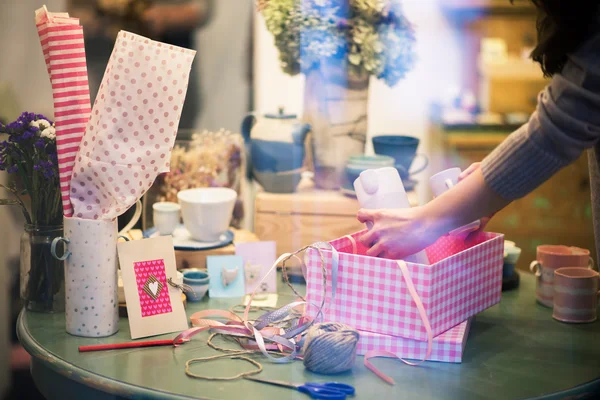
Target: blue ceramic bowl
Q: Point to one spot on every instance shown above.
(199, 282)
(271, 156)
(402, 148)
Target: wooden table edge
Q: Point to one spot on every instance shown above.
(82, 376)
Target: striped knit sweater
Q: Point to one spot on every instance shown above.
(566, 122)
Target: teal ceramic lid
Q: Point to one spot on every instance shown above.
(376, 161)
(280, 115)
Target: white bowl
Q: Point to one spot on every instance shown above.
(512, 255)
(206, 212)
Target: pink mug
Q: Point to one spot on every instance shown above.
(576, 295)
(549, 259)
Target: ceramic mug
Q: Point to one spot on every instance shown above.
(91, 277)
(198, 281)
(166, 217)
(575, 295)
(444, 181)
(404, 151)
(357, 164)
(550, 258)
(207, 212)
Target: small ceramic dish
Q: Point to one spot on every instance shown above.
(198, 281)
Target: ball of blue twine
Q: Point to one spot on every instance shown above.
(330, 348)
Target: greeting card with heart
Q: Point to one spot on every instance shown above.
(154, 306)
(258, 259)
(226, 276)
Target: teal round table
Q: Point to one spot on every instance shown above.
(515, 350)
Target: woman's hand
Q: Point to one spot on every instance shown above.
(482, 221)
(397, 233)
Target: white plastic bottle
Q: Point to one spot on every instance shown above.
(382, 188)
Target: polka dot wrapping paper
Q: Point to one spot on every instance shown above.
(132, 127)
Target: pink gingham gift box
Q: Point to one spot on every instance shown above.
(446, 347)
(372, 295)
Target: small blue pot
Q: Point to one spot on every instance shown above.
(508, 270)
(199, 282)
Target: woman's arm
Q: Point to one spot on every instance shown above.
(566, 122)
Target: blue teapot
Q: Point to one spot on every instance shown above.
(275, 150)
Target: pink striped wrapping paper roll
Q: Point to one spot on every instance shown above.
(63, 46)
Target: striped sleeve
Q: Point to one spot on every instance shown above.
(565, 123)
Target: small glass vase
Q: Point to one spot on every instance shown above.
(42, 276)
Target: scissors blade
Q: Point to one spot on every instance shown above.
(271, 382)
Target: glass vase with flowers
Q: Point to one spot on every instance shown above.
(29, 154)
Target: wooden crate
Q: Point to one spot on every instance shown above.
(308, 216)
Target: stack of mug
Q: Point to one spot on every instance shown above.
(567, 282)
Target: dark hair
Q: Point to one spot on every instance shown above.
(562, 26)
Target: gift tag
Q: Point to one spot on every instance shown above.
(226, 276)
(258, 259)
(154, 306)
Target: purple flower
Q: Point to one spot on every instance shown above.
(46, 168)
(40, 144)
(12, 169)
(28, 135)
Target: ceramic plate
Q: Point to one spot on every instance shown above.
(183, 241)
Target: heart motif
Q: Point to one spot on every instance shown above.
(153, 287)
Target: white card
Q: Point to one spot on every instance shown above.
(154, 307)
(258, 258)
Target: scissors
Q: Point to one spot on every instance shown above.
(327, 390)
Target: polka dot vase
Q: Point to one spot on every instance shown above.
(91, 307)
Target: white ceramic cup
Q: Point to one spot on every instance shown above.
(443, 181)
(207, 212)
(166, 217)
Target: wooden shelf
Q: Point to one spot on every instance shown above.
(514, 69)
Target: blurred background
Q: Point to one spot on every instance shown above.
(472, 85)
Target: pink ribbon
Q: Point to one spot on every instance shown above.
(422, 313)
(259, 334)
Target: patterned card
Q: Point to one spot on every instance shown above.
(226, 276)
(258, 259)
(154, 307)
(152, 281)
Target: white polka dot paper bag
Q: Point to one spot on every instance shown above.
(132, 128)
(373, 294)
